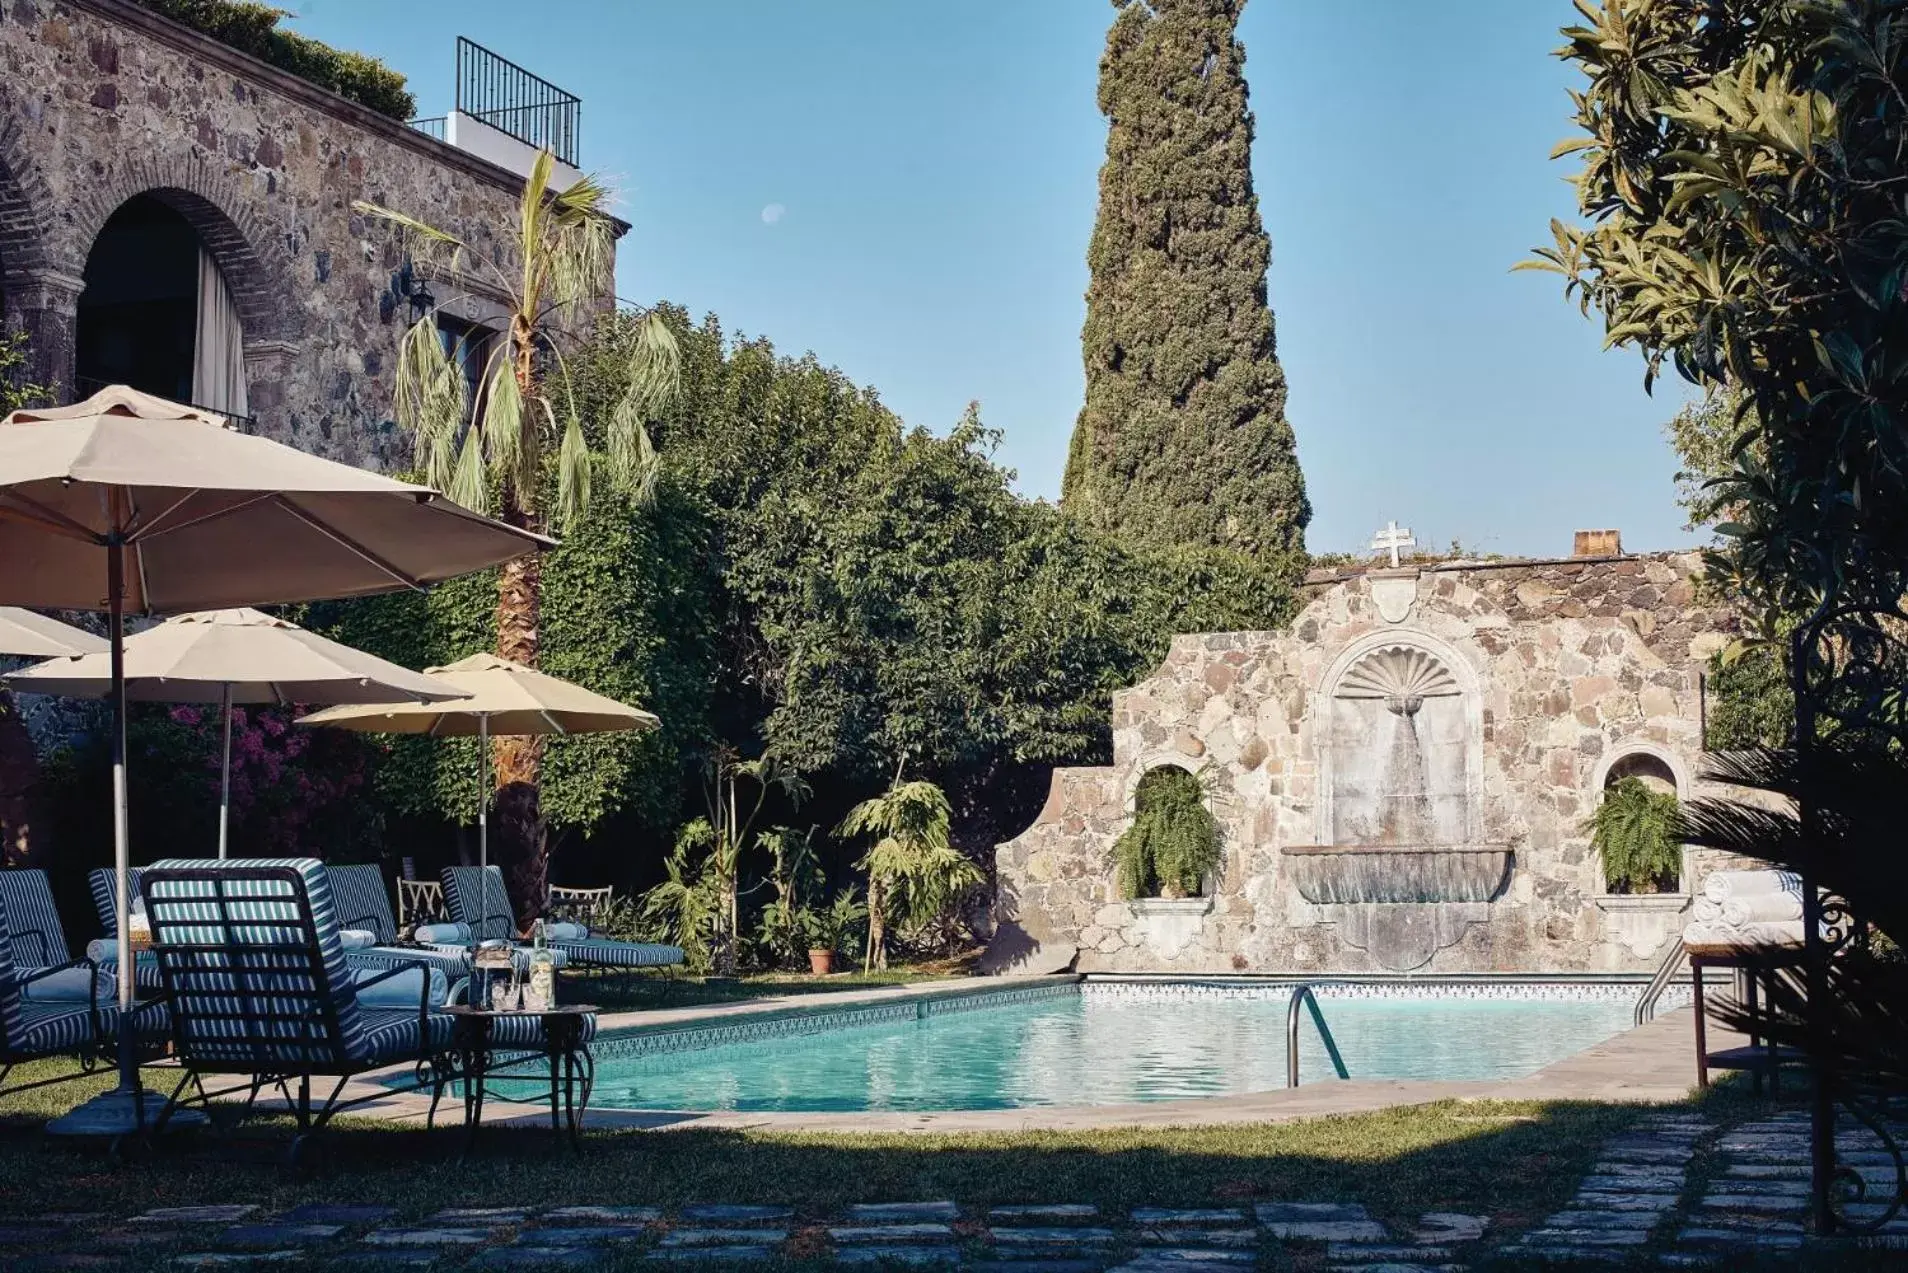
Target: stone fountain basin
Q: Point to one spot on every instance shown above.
(1329, 874)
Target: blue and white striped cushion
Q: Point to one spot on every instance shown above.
(525, 1030)
(601, 952)
(215, 994)
(392, 1035)
(106, 899)
(51, 1028)
(362, 900)
(34, 929)
(475, 895)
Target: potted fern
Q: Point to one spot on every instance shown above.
(1173, 844)
(1636, 830)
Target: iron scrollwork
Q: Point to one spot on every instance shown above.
(1849, 675)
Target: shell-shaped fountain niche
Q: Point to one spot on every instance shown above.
(1400, 855)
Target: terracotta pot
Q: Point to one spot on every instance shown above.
(821, 962)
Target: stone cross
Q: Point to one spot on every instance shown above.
(1393, 537)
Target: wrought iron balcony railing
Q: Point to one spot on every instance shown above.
(511, 100)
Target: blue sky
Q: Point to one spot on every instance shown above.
(907, 189)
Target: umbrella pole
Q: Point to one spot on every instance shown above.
(225, 768)
(122, 856)
(483, 790)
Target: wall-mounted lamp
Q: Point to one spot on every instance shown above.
(409, 287)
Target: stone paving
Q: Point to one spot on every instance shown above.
(1008, 1238)
(1634, 1187)
(1674, 1189)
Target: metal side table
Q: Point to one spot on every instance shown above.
(560, 1042)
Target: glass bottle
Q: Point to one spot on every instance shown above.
(540, 994)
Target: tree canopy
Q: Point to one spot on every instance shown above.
(1183, 439)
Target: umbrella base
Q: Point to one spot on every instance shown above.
(122, 1112)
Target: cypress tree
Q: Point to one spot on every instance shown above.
(1183, 439)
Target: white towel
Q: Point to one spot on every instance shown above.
(560, 931)
(1761, 908)
(1783, 933)
(1720, 886)
(1705, 911)
(356, 938)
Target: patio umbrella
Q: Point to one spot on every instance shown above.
(504, 698)
(35, 636)
(129, 502)
(228, 657)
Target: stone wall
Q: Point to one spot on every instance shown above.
(1561, 669)
(103, 101)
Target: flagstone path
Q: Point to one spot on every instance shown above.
(1674, 1189)
(1032, 1238)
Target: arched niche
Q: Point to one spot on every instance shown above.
(1400, 745)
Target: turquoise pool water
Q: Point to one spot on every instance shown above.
(1102, 1047)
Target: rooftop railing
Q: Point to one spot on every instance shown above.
(511, 100)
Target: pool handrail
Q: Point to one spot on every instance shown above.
(1645, 1010)
(1303, 995)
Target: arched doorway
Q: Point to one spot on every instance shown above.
(157, 314)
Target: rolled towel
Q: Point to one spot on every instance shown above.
(356, 938)
(566, 932)
(1720, 886)
(105, 952)
(401, 989)
(443, 934)
(1705, 911)
(1781, 933)
(1761, 908)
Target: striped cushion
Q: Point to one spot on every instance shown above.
(525, 1030)
(362, 899)
(452, 961)
(601, 952)
(475, 895)
(105, 898)
(273, 988)
(392, 1035)
(61, 1027)
(33, 921)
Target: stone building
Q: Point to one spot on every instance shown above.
(178, 215)
(1401, 779)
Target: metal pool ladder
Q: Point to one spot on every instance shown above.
(1645, 1011)
(1303, 995)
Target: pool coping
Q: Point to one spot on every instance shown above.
(1650, 1064)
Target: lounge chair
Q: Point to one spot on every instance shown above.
(364, 906)
(257, 985)
(476, 896)
(61, 1006)
(39, 939)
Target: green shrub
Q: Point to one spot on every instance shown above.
(1637, 832)
(252, 28)
(1173, 843)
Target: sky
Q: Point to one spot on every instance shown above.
(907, 189)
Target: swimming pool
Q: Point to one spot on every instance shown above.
(1099, 1044)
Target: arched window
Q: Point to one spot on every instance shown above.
(157, 314)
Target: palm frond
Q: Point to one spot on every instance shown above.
(574, 469)
(502, 425)
(470, 483)
(426, 242)
(431, 400)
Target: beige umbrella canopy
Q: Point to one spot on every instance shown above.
(228, 657)
(502, 698)
(35, 636)
(127, 501)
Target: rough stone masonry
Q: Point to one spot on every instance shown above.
(1494, 699)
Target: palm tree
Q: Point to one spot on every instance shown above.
(914, 873)
(514, 432)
